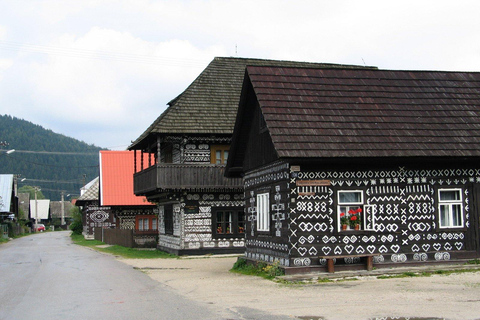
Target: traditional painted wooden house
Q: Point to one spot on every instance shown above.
(199, 210)
(93, 216)
(395, 152)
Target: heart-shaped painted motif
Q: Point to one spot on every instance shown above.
(371, 248)
(437, 246)
(326, 250)
(395, 248)
(425, 247)
(349, 248)
(302, 251)
(383, 249)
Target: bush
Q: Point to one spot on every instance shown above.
(261, 269)
(77, 225)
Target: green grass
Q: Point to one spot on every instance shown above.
(267, 271)
(128, 253)
(426, 273)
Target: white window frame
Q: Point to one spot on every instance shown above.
(263, 212)
(349, 204)
(450, 204)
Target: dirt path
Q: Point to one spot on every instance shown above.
(208, 279)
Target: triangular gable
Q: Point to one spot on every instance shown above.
(6, 189)
(116, 179)
(43, 209)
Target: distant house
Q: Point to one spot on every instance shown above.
(396, 152)
(59, 209)
(40, 210)
(23, 205)
(93, 216)
(8, 198)
(188, 145)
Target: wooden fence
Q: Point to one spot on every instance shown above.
(119, 237)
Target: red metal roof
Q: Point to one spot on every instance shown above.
(116, 179)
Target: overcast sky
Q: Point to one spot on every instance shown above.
(102, 71)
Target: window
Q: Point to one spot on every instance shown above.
(224, 222)
(168, 219)
(241, 222)
(219, 154)
(229, 222)
(350, 209)
(146, 223)
(450, 208)
(263, 212)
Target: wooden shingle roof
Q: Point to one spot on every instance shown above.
(369, 113)
(209, 105)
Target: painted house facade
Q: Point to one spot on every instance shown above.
(93, 216)
(200, 211)
(393, 155)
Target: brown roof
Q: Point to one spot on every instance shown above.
(91, 192)
(369, 113)
(209, 105)
(56, 209)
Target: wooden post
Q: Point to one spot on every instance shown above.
(369, 263)
(135, 161)
(159, 151)
(330, 265)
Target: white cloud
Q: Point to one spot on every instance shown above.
(108, 78)
(103, 70)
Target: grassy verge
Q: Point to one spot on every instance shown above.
(129, 253)
(267, 271)
(427, 273)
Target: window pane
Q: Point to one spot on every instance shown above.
(456, 218)
(449, 195)
(218, 157)
(225, 156)
(444, 215)
(154, 224)
(228, 220)
(145, 224)
(350, 197)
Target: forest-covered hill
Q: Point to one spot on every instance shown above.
(42, 154)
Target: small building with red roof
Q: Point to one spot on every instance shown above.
(116, 206)
(116, 196)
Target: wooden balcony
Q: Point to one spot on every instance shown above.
(164, 177)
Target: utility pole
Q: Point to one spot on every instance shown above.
(63, 210)
(36, 209)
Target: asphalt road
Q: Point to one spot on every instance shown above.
(45, 276)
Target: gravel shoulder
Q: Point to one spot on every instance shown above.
(207, 279)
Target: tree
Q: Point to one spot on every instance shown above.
(77, 225)
(31, 190)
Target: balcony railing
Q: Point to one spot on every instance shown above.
(163, 177)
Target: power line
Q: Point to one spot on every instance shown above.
(51, 165)
(59, 152)
(98, 54)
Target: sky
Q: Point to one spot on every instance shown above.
(102, 71)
